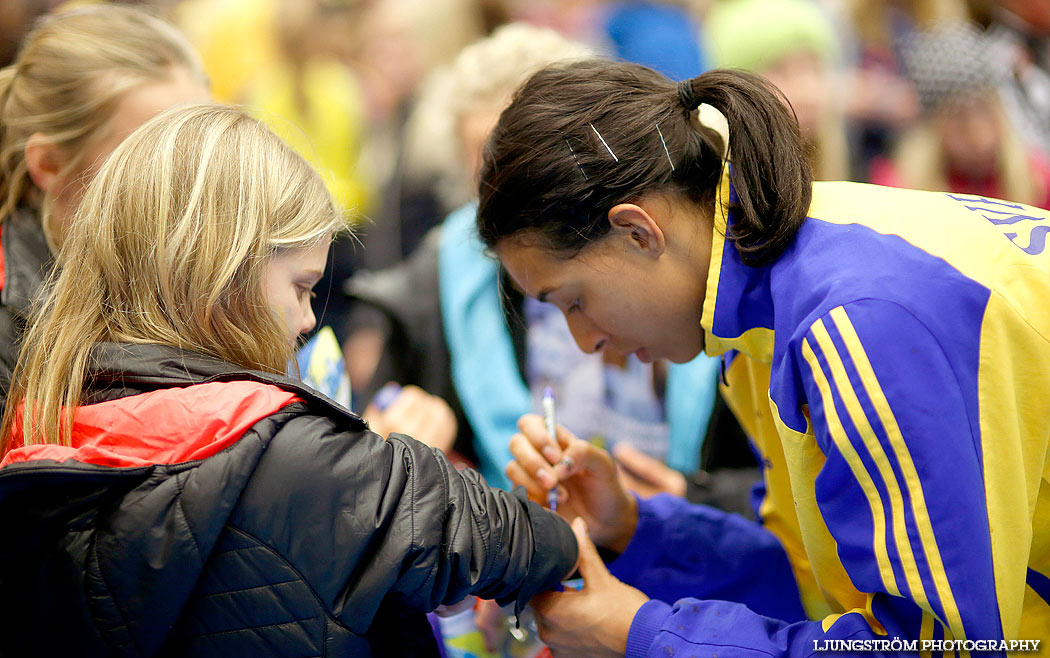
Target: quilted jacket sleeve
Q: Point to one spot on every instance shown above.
(368, 521)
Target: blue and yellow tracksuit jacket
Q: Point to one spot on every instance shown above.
(893, 369)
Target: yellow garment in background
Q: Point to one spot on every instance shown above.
(325, 126)
(236, 39)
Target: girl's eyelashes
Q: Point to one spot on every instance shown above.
(574, 306)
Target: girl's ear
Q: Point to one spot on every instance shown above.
(44, 162)
(636, 223)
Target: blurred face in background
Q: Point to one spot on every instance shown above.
(134, 108)
(473, 129)
(805, 81)
(971, 134)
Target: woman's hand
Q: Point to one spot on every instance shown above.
(594, 621)
(584, 474)
(646, 476)
(425, 417)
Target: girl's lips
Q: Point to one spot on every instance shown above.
(643, 355)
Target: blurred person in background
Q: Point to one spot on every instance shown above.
(663, 35)
(167, 491)
(793, 44)
(447, 320)
(311, 98)
(402, 42)
(334, 79)
(16, 19)
(117, 67)
(1022, 29)
(880, 101)
(965, 141)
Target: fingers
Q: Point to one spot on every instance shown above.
(414, 412)
(592, 568)
(543, 602)
(527, 455)
(635, 460)
(376, 420)
(518, 475)
(533, 427)
(489, 620)
(409, 406)
(641, 465)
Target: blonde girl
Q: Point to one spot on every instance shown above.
(167, 489)
(83, 80)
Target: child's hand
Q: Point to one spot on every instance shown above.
(412, 411)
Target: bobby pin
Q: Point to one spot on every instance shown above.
(604, 142)
(569, 144)
(666, 152)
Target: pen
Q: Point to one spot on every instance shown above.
(552, 429)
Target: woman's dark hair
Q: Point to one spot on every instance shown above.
(581, 137)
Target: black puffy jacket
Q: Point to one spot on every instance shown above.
(207, 511)
(25, 263)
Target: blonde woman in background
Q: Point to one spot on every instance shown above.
(165, 490)
(965, 142)
(880, 100)
(82, 82)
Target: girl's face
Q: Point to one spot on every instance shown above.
(288, 284)
(640, 289)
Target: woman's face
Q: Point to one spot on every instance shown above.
(134, 108)
(288, 284)
(971, 134)
(803, 78)
(638, 290)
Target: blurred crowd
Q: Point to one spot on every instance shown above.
(933, 94)
(392, 100)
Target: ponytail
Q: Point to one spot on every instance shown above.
(579, 138)
(769, 169)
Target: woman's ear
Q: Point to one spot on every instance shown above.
(639, 225)
(44, 162)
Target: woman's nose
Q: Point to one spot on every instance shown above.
(588, 336)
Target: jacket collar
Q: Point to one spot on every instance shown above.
(118, 369)
(738, 307)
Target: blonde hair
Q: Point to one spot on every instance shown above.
(921, 164)
(872, 26)
(830, 151)
(482, 77)
(169, 247)
(70, 72)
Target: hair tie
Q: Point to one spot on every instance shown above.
(687, 96)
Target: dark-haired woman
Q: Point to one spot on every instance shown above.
(887, 350)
